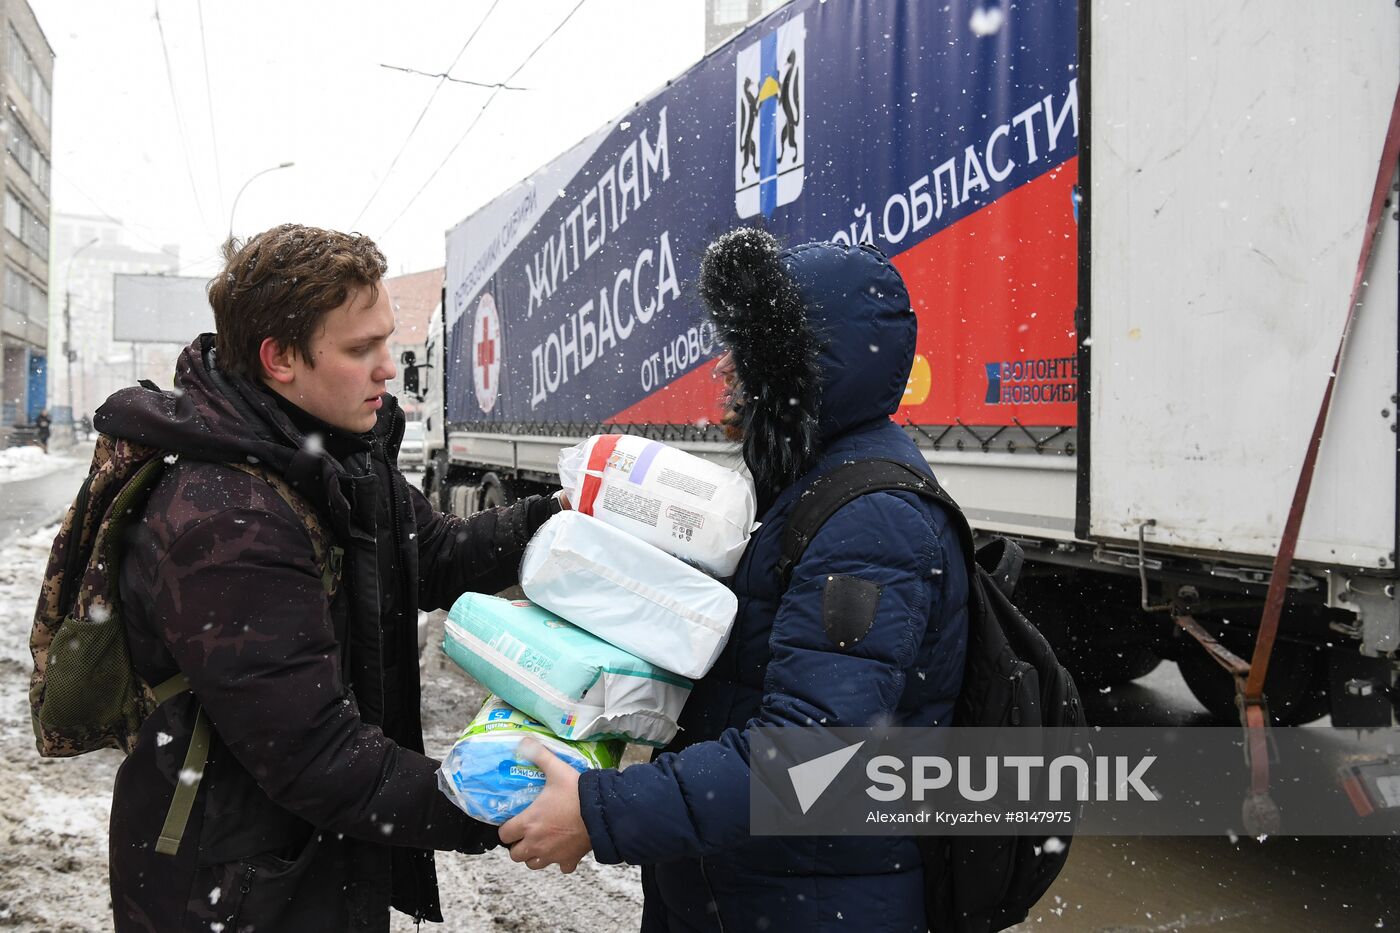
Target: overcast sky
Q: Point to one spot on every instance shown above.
(165, 151)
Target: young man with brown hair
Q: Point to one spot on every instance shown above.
(316, 808)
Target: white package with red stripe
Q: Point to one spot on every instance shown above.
(628, 593)
(689, 507)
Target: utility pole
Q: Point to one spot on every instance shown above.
(70, 354)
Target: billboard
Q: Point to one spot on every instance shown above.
(160, 308)
(943, 134)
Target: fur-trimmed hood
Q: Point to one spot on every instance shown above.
(822, 337)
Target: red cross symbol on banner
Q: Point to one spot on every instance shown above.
(485, 354)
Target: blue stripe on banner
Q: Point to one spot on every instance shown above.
(768, 126)
(902, 78)
(644, 459)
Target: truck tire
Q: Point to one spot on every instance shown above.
(1093, 625)
(1295, 687)
(432, 489)
(1097, 663)
(495, 492)
(435, 486)
(1111, 666)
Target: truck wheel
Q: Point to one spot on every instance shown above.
(1111, 666)
(1296, 685)
(1085, 620)
(1105, 665)
(432, 489)
(435, 485)
(495, 492)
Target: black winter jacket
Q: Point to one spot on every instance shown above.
(317, 808)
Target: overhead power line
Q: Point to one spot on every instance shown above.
(163, 248)
(209, 98)
(447, 77)
(467, 132)
(184, 264)
(423, 113)
(179, 122)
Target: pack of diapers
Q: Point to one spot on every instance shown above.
(489, 781)
(628, 593)
(579, 686)
(687, 506)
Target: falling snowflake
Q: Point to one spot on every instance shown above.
(986, 21)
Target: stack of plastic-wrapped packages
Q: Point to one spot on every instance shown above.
(624, 610)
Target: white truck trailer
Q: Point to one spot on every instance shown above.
(1130, 232)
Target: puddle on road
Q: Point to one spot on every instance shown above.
(1135, 885)
(1176, 883)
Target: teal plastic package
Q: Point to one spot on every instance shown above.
(577, 685)
(485, 777)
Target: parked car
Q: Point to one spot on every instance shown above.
(411, 448)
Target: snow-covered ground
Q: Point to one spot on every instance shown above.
(53, 813)
(18, 463)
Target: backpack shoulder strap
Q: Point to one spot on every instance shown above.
(849, 481)
(328, 555)
(81, 569)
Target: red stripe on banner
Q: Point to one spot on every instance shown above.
(995, 289)
(691, 399)
(603, 448)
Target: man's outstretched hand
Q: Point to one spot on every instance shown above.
(551, 829)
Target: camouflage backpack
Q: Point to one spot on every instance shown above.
(84, 693)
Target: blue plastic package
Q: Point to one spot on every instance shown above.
(484, 776)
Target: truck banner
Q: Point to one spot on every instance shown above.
(946, 134)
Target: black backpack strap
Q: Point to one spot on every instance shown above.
(849, 481)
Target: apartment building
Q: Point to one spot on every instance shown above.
(26, 85)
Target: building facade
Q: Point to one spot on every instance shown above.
(88, 251)
(415, 297)
(25, 124)
(726, 18)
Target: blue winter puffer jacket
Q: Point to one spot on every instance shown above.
(684, 817)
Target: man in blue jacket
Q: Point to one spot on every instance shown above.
(821, 339)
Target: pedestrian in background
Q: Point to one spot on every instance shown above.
(42, 428)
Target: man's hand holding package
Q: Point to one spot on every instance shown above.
(551, 829)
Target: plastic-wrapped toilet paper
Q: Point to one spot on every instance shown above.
(484, 776)
(578, 685)
(628, 593)
(696, 510)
